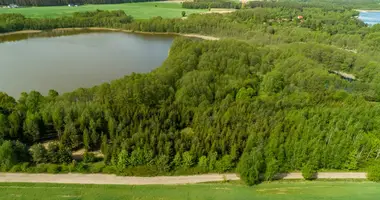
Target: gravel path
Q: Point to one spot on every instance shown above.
(112, 179)
(159, 180)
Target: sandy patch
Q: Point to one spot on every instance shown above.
(21, 32)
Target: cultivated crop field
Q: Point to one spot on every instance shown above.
(282, 190)
(143, 10)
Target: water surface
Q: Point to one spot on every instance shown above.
(370, 18)
(82, 60)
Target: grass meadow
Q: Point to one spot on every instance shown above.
(281, 190)
(144, 10)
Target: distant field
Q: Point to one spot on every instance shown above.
(301, 190)
(137, 10)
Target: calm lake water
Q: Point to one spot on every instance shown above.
(370, 18)
(72, 61)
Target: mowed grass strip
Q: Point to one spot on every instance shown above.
(143, 10)
(334, 190)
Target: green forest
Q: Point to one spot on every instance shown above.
(276, 94)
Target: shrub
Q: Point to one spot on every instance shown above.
(162, 163)
(97, 167)
(24, 167)
(82, 168)
(308, 172)
(225, 164)
(53, 168)
(15, 168)
(89, 157)
(183, 13)
(41, 168)
(188, 159)
(271, 170)
(39, 153)
(65, 168)
(248, 169)
(109, 169)
(373, 173)
(203, 164)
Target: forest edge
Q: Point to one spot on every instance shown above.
(204, 37)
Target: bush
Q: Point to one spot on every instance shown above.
(248, 169)
(162, 163)
(308, 172)
(225, 164)
(271, 170)
(24, 167)
(39, 153)
(82, 168)
(97, 167)
(15, 168)
(89, 157)
(53, 168)
(203, 164)
(41, 168)
(373, 173)
(109, 169)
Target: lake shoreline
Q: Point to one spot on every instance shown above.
(359, 10)
(204, 37)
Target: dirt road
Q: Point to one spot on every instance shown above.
(112, 179)
(159, 180)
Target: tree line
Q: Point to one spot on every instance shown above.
(211, 4)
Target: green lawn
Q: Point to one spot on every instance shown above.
(301, 190)
(137, 10)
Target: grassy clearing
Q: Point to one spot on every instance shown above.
(143, 10)
(337, 190)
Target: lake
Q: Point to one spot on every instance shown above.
(370, 17)
(73, 60)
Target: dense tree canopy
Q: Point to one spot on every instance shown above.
(270, 97)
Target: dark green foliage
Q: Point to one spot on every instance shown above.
(98, 18)
(39, 153)
(12, 153)
(88, 157)
(183, 14)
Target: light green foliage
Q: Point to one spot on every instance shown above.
(308, 171)
(271, 170)
(225, 164)
(373, 172)
(273, 82)
(177, 161)
(202, 164)
(188, 159)
(163, 163)
(336, 190)
(122, 161)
